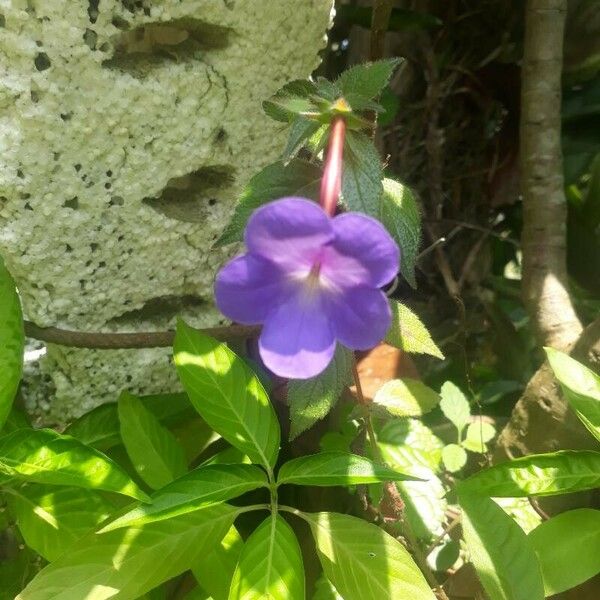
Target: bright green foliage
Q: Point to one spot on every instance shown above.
(402, 218)
(270, 564)
(366, 81)
(291, 101)
(363, 561)
(52, 518)
(44, 456)
(408, 333)
(362, 174)
(311, 399)
(454, 457)
(214, 571)
(406, 398)
(500, 551)
(152, 448)
(226, 393)
(297, 178)
(478, 433)
(123, 565)
(325, 590)
(455, 406)
(538, 475)
(581, 387)
(12, 342)
(202, 487)
(335, 468)
(568, 548)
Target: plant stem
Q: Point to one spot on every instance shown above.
(331, 183)
(382, 10)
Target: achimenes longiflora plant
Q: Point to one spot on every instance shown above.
(311, 278)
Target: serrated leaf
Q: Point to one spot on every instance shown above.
(402, 218)
(297, 178)
(291, 100)
(406, 398)
(12, 342)
(214, 571)
(44, 456)
(538, 475)
(367, 79)
(364, 562)
(454, 457)
(568, 548)
(301, 132)
(581, 387)
(408, 333)
(311, 399)
(51, 519)
(455, 406)
(152, 448)
(125, 564)
(362, 175)
(270, 565)
(500, 551)
(202, 487)
(335, 468)
(227, 394)
(325, 590)
(478, 433)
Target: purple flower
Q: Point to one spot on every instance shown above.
(310, 280)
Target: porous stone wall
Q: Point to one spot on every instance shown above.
(127, 129)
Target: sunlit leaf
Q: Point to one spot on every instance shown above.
(408, 333)
(538, 475)
(291, 100)
(226, 393)
(335, 468)
(455, 406)
(44, 456)
(52, 518)
(270, 564)
(406, 398)
(363, 561)
(125, 564)
(478, 433)
(12, 342)
(454, 457)
(325, 590)
(152, 448)
(581, 387)
(568, 548)
(500, 551)
(367, 79)
(201, 487)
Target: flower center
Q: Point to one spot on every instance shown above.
(312, 279)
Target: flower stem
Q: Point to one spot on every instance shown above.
(331, 184)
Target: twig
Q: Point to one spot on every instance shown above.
(538, 509)
(455, 521)
(139, 339)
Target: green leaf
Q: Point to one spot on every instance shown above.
(297, 178)
(311, 399)
(44, 456)
(478, 433)
(291, 100)
(367, 79)
(301, 131)
(325, 590)
(202, 487)
(364, 562)
(227, 394)
(51, 519)
(568, 548)
(406, 398)
(408, 333)
(500, 551)
(402, 218)
(123, 565)
(538, 475)
(362, 174)
(581, 387)
(214, 571)
(335, 468)
(454, 457)
(270, 565)
(16, 570)
(12, 342)
(455, 406)
(152, 448)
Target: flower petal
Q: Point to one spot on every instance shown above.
(289, 232)
(361, 317)
(247, 288)
(297, 339)
(362, 253)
